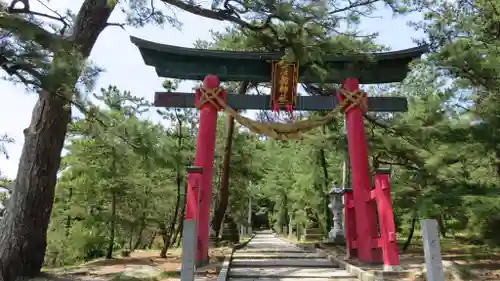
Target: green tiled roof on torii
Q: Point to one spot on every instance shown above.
(194, 64)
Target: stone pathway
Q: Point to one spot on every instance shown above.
(268, 258)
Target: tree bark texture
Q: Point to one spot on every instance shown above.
(23, 231)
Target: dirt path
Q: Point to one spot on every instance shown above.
(140, 264)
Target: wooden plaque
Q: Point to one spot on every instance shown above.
(284, 84)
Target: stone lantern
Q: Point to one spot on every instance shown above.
(336, 234)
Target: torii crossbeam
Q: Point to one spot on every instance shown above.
(263, 102)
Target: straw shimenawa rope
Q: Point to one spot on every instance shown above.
(284, 131)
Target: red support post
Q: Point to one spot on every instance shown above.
(350, 225)
(192, 196)
(366, 227)
(386, 220)
(205, 145)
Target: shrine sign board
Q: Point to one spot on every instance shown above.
(284, 80)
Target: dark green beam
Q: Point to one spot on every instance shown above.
(262, 102)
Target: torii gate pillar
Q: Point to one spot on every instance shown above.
(364, 207)
(205, 146)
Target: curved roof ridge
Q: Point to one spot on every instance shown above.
(256, 55)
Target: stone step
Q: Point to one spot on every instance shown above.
(269, 241)
(288, 272)
(271, 250)
(277, 255)
(321, 263)
(270, 244)
(294, 279)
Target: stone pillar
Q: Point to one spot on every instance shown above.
(336, 234)
(361, 183)
(432, 250)
(205, 145)
(189, 240)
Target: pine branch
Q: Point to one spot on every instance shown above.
(26, 10)
(229, 14)
(353, 5)
(29, 31)
(33, 13)
(121, 25)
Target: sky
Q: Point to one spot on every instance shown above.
(125, 68)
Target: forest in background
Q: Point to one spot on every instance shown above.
(121, 186)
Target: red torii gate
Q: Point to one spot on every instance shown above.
(363, 238)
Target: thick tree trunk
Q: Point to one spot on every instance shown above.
(220, 209)
(23, 231)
